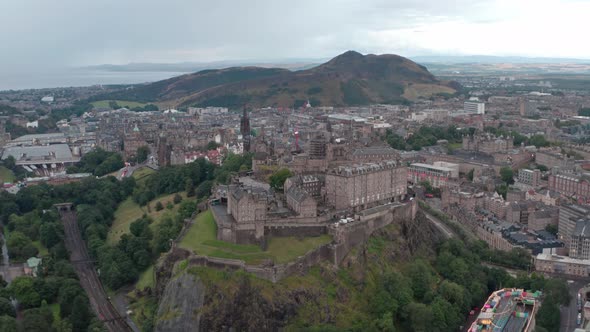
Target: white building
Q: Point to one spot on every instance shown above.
(47, 99)
(474, 107)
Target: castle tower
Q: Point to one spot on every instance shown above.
(245, 130)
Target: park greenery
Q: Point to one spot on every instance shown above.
(426, 136)
(277, 179)
(98, 162)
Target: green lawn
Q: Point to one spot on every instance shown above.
(55, 310)
(126, 213)
(141, 174)
(146, 279)
(6, 175)
(42, 250)
(455, 146)
(202, 238)
(129, 211)
(121, 103)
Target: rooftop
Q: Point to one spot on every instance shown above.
(506, 310)
(40, 154)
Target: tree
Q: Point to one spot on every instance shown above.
(507, 174)
(80, 316)
(7, 324)
(542, 168)
(538, 141)
(6, 307)
(189, 187)
(114, 105)
(169, 206)
(142, 154)
(470, 175)
(22, 289)
(38, 319)
(159, 206)
(49, 234)
(20, 246)
(204, 189)
(551, 229)
(177, 199)
(10, 162)
(420, 317)
(549, 316)
(212, 145)
(277, 179)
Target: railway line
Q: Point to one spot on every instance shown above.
(89, 280)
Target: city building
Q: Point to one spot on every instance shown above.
(580, 240)
(569, 214)
(562, 265)
(572, 186)
(44, 160)
(247, 204)
(474, 107)
(437, 176)
(361, 186)
(487, 143)
(301, 202)
(529, 177)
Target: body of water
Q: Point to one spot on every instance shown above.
(40, 79)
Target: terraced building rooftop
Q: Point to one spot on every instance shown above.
(507, 310)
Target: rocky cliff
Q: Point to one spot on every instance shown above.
(219, 300)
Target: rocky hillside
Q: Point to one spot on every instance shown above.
(349, 79)
(325, 296)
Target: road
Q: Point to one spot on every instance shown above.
(439, 224)
(89, 280)
(569, 314)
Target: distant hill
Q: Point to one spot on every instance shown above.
(348, 79)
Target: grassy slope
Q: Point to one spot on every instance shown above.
(42, 250)
(141, 174)
(122, 103)
(202, 238)
(146, 279)
(6, 175)
(415, 91)
(129, 211)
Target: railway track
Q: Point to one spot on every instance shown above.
(89, 280)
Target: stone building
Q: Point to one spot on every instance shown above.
(247, 205)
(487, 143)
(437, 176)
(568, 216)
(570, 185)
(364, 185)
(301, 202)
(579, 246)
(529, 177)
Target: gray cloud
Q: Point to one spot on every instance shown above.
(74, 32)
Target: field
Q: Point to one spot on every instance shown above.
(122, 103)
(141, 174)
(413, 92)
(146, 279)
(202, 238)
(6, 175)
(129, 211)
(42, 250)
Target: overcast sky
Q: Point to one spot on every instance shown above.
(80, 32)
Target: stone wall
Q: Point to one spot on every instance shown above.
(345, 238)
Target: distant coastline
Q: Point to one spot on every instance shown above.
(72, 77)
